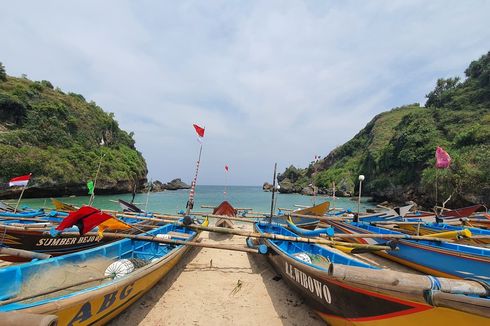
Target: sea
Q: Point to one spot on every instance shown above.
(173, 201)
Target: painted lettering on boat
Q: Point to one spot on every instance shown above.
(309, 283)
(52, 242)
(86, 311)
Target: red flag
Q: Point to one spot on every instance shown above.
(226, 168)
(20, 181)
(199, 130)
(443, 160)
(86, 218)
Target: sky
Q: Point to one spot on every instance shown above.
(271, 81)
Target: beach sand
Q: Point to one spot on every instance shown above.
(219, 287)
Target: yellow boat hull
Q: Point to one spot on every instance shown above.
(434, 317)
(100, 306)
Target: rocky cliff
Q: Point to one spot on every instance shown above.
(60, 138)
(395, 151)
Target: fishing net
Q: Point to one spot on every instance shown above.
(55, 277)
(314, 259)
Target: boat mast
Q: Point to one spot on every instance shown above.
(273, 192)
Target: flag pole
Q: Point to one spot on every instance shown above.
(273, 192)
(20, 197)
(226, 182)
(92, 196)
(190, 201)
(148, 194)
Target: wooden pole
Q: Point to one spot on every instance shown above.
(273, 192)
(273, 236)
(387, 236)
(190, 201)
(92, 196)
(168, 241)
(23, 253)
(150, 185)
(20, 197)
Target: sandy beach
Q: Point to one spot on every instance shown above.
(219, 287)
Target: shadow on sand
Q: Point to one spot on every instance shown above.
(146, 303)
(286, 302)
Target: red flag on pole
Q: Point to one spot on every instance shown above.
(226, 168)
(86, 218)
(199, 130)
(20, 181)
(443, 160)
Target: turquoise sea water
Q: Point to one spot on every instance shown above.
(173, 201)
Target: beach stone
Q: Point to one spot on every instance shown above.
(176, 184)
(267, 186)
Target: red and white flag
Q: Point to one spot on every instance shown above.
(20, 181)
(226, 168)
(443, 160)
(199, 131)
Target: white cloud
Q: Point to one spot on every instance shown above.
(270, 80)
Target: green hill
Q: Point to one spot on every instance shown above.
(57, 137)
(395, 151)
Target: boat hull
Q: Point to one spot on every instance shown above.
(100, 306)
(341, 303)
(39, 241)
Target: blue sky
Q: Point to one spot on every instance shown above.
(272, 81)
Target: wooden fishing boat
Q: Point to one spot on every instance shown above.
(106, 291)
(35, 235)
(225, 209)
(316, 210)
(347, 291)
(461, 212)
(435, 258)
(30, 213)
(304, 221)
(128, 207)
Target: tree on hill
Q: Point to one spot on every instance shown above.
(3, 74)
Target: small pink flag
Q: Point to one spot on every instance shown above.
(443, 160)
(226, 168)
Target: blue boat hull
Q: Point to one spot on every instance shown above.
(436, 258)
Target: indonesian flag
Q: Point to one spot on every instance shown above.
(200, 132)
(443, 160)
(226, 168)
(20, 181)
(85, 219)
